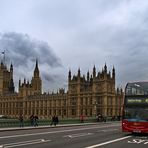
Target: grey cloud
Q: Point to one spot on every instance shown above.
(20, 48)
(54, 81)
(50, 78)
(22, 51)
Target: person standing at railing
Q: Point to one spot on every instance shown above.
(82, 118)
(21, 120)
(53, 120)
(36, 120)
(56, 120)
(32, 120)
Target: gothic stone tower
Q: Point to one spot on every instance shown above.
(36, 81)
(6, 79)
(33, 88)
(92, 95)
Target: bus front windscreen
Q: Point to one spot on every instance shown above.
(136, 114)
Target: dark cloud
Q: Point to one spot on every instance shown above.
(22, 51)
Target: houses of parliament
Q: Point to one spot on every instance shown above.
(87, 95)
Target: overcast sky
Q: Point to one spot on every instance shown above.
(68, 34)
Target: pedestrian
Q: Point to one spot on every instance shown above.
(99, 118)
(32, 120)
(104, 118)
(52, 120)
(36, 120)
(21, 120)
(82, 118)
(56, 120)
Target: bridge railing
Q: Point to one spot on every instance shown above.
(43, 122)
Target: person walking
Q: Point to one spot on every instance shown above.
(36, 120)
(56, 120)
(53, 120)
(82, 118)
(21, 120)
(32, 120)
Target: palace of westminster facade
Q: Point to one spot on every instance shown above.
(86, 95)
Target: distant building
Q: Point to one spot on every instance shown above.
(88, 96)
(6, 79)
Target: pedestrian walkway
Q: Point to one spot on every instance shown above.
(46, 126)
(59, 125)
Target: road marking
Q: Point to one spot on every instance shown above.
(70, 130)
(17, 144)
(138, 141)
(78, 135)
(109, 130)
(105, 143)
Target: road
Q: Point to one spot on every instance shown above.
(106, 135)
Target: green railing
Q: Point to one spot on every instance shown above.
(44, 122)
(41, 122)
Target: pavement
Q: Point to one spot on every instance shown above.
(46, 126)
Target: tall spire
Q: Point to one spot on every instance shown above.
(105, 68)
(79, 72)
(19, 82)
(36, 70)
(11, 71)
(88, 75)
(24, 81)
(94, 71)
(113, 72)
(36, 66)
(36, 81)
(11, 67)
(69, 75)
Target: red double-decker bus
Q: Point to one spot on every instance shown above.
(135, 108)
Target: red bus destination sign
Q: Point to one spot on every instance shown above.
(137, 100)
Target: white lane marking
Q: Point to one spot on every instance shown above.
(24, 135)
(16, 144)
(138, 141)
(109, 130)
(105, 143)
(78, 135)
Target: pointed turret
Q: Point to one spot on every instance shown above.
(11, 67)
(36, 70)
(88, 75)
(113, 72)
(79, 73)
(69, 75)
(24, 81)
(105, 68)
(19, 82)
(11, 71)
(11, 84)
(94, 71)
